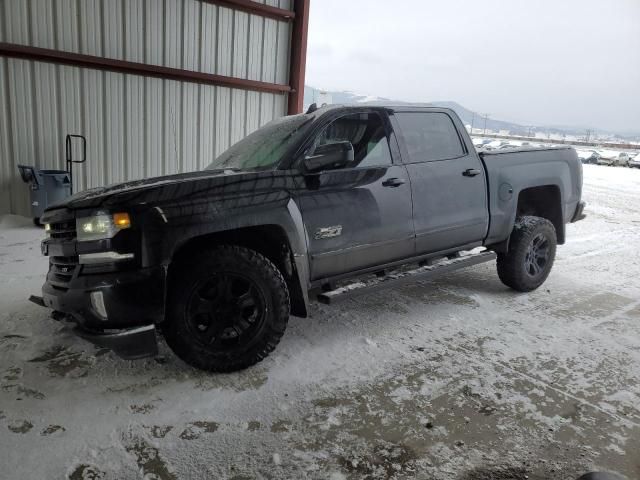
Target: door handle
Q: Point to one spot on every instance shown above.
(471, 172)
(393, 182)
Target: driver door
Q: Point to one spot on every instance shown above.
(357, 214)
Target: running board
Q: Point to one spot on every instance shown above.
(394, 279)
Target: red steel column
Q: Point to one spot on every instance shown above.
(298, 55)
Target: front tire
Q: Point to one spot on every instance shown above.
(532, 250)
(228, 308)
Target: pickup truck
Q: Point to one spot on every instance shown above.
(338, 201)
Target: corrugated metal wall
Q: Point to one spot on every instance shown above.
(135, 126)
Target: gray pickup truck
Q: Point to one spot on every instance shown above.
(339, 201)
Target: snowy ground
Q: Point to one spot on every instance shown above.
(455, 379)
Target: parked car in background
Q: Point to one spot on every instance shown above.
(481, 143)
(515, 144)
(635, 161)
(613, 158)
(478, 142)
(588, 156)
(495, 145)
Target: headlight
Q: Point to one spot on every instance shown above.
(47, 229)
(101, 226)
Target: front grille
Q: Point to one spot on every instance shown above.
(63, 230)
(63, 268)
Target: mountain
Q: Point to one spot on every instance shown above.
(314, 95)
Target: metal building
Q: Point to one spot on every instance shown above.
(156, 86)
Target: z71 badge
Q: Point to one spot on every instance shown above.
(328, 232)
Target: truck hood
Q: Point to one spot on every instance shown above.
(97, 197)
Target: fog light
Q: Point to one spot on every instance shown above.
(97, 302)
(103, 257)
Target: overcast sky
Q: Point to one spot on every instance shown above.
(552, 62)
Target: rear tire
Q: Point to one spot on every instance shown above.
(532, 250)
(227, 310)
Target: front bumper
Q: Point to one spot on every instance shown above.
(133, 300)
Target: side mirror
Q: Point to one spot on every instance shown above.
(329, 156)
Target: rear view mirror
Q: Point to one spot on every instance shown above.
(329, 156)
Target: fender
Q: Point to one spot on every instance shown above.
(168, 227)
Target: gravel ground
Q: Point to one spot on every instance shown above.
(455, 379)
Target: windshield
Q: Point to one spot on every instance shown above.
(264, 148)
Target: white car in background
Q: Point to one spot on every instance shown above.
(635, 161)
(496, 145)
(588, 156)
(515, 144)
(481, 143)
(478, 142)
(613, 158)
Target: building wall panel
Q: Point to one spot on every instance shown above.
(172, 126)
(46, 132)
(21, 118)
(225, 41)
(269, 38)
(238, 116)
(154, 28)
(154, 127)
(135, 126)
(69, 114)
(3, 17)
(134, 31)
(113, 30)
(223, 114)
(17, 22)
(173, 33)
(190, 122)
(7, 164)
(68, 25)
(93, 172)
(255, 54)
(42, 25)
(114, 131)
(191, 36)
(91, 31)
(209, 39)
(207, 130)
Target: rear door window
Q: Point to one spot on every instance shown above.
(429, 136)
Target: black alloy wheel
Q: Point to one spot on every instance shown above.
(226, 310)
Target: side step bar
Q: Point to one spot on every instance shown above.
(394, 279)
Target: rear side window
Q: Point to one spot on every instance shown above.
(429, 136)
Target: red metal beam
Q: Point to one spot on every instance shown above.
(255, 8)
(298, 60)
(135, 68)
